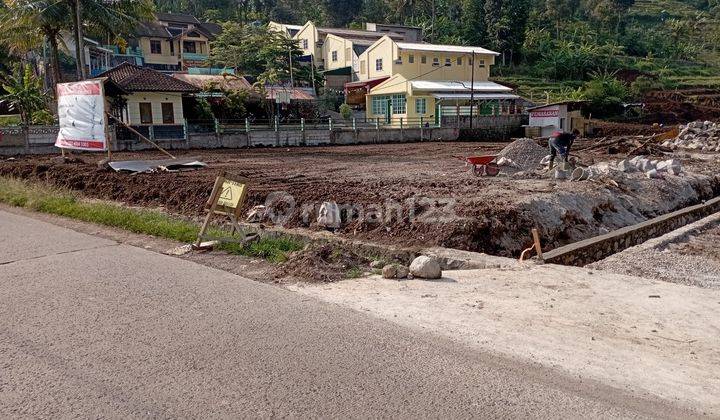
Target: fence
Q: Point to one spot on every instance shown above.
(250, 133)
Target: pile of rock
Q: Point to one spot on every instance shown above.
(523, 154)
(651, 168)
(698, 135)
(422, 267)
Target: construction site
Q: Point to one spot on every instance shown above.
(422, 194)
(604, 268)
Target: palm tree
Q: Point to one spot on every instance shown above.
(106, 18)
(19, 24)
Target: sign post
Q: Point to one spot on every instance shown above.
(227, 198)
(81, 116)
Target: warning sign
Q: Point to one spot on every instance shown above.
(231, 194)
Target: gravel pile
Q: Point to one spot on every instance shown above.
(524, 154)
(697, 135)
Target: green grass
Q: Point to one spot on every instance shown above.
(9, 120)
(50, 200)
(354, 273)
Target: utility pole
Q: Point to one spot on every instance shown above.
(292, 84)
(312, 72)
(472, 87)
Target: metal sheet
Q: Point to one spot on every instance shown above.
(190, 163)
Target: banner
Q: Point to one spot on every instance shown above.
(81, 112)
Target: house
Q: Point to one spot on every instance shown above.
(429, 81)
(408, 33)
(171, 42)
(288, 30)
(558, 116)
(335, 51)
(153, 101)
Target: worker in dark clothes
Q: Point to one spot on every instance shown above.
(560, 144)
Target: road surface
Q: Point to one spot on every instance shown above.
(93, 328)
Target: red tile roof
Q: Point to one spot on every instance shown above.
(133, 78)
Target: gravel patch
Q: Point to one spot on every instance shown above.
(692, 258)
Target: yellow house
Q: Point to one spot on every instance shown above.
(286, 29)
(429, 81)
(172, 42)
(333, 48)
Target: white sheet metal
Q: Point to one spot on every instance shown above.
(459, 86)
(81, 114)
(477, 96)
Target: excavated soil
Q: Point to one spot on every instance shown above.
(416, 194)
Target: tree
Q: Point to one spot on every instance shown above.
(19, 24)
(24, 92)
(473, 22)
(270, 60)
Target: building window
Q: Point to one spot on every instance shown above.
(378, 64)
(399, 60)
(448, 62)
(146, 113)
(481, 63)
(189, 47)
(379, 105)
(362, 66)
(420, 105)
(399, 104)
(168, 113)
(423, 59)
(436, 61)
(172, 47)
(411, 58)
(470, 61)
(155, 46)
(333, 55)
(459, 61)
(305, 44)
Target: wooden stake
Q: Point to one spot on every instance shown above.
(217, 189)
(536, 241)
(132, 130)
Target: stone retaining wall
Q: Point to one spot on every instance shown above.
(594, 249)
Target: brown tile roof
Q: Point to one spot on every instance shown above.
(205, 81)
(133, 78)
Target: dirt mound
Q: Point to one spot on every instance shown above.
(524, 153)
(323, 264)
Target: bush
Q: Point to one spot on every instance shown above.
(606, 94)
(345, 111)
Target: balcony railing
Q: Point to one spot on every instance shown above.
(194, 56)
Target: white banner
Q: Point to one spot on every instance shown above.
(81, 112)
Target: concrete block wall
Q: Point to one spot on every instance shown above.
(594, 249)
(41, 140)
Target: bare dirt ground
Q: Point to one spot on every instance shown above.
(415, 194)
(641, 335)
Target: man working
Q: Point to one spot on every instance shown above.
(560, 143)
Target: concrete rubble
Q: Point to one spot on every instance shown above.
(698, 135)
(654, 169)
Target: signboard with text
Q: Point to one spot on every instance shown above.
(81, 115)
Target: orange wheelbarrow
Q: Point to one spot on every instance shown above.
(482, 165)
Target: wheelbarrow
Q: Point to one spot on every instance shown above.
(482, 165)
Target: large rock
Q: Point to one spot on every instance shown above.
(425, 268)
(389, 271)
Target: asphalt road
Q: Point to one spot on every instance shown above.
(93, 328)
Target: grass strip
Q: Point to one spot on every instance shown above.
(46, 199)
